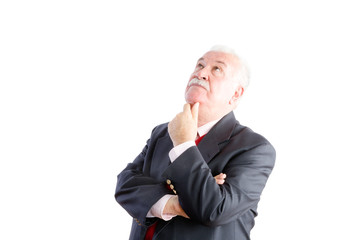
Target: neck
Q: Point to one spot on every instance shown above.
(204, 118)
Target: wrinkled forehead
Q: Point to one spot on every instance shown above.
(226, 58)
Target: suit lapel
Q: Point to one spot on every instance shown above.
(209, 145)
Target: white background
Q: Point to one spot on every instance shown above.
(83, 83)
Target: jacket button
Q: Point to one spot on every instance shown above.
(168, 181)
(172, 186)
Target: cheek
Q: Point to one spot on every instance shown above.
(224, 92)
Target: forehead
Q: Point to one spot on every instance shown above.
(212, 57)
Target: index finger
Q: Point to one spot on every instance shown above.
(186, 107)
(195, 111)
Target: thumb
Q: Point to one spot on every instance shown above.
(195, 111)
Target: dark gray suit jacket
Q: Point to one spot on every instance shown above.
(217, 212)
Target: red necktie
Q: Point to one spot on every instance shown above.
(199, 139)
(151, 230)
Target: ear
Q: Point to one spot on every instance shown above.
(239, 91)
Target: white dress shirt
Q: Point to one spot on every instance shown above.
(157, 209)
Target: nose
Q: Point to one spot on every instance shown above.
(202, 74)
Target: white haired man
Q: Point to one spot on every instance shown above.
(201, 175)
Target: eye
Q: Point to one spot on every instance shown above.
(217, 69)
(200, 65)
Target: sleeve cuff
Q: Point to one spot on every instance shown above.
(179, 149)
(157, 209)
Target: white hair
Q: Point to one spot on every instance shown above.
(243, 73)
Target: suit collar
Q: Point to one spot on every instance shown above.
(204, 129)
(221, 132)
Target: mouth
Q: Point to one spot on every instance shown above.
(200, 83)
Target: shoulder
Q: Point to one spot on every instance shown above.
(247, 135)
(159, 131)
(240, 134)
(250, 147)
(244, 138)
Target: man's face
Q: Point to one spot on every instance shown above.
(212, 83)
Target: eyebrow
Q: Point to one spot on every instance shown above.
(221, 62)
(218, 61)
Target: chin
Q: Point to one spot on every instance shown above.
(191, 102)
(194, 98)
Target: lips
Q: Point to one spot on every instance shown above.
(199, 82)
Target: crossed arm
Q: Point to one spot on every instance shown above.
(173, 207)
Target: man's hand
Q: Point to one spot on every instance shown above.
(183, 127)
(220, 179)
(173, 207)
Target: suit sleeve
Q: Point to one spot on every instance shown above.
(211, 204)
(137, 192)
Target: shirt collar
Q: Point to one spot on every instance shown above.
(204, 129)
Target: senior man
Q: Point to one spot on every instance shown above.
(200, 176)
